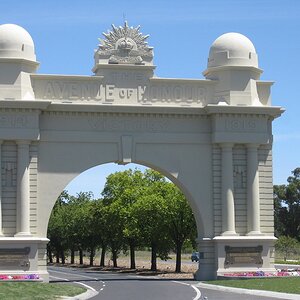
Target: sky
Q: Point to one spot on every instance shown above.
(66, 33)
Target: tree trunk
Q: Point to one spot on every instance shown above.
(50, 257)
(114, 258)
(92, 254)
(153, 257)
(102, 260)
(57, 256)
(63, 258)
(80, 257)
(132, 255)
(178, 257)
(72, 256)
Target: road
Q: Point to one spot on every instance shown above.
(114, 286)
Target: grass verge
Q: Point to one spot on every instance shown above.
(287, 262)
(37, 290)
(289, 285)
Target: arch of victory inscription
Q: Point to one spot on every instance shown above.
(212, 137)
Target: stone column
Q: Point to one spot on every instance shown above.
(253, 203)
(1, 221)
(228, 213)
(23, 200)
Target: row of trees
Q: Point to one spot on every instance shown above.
(287, 215)
(137, 209)
(287, 207)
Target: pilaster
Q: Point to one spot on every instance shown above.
(1, 223)
(23, 203)
(253, 200)
(228, 213)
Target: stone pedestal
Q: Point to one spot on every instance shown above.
(244, 254)
(24, 256)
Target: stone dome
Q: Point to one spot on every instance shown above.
(232, 49)
(16, 42)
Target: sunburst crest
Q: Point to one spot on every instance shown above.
(125, 44)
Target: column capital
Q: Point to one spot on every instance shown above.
(227, 145)
(252, 146)
(23, 142)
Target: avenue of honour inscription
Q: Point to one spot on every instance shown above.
(98, 91)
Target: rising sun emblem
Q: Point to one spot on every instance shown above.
(125, 45)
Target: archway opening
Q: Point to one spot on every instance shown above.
(130, 212)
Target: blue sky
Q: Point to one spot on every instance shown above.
(66, 33)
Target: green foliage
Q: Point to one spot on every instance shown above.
(137, 210)
(287, 207)
(287, 246)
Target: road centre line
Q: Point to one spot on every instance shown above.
(198, 293)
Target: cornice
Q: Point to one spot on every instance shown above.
(273, 111)
(121, 67)
(119, 109)
(182, 80)
(231, 68)
(24, 104)
(66, 77)
(20, 60)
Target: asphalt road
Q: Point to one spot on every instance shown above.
(113, 286)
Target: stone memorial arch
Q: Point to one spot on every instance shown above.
(212, 137)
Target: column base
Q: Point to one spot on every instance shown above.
(254, 232)
(229, 233)
(23, 234)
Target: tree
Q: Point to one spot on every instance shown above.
(287, 206)
(181, 221)
(100, 228)
(57, 233)
(125, 188)
(150, 212)
(114, 226)
(287, 246)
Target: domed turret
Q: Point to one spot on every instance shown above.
(233, 64)
(16, 42)
(17, 63)
(232, 49)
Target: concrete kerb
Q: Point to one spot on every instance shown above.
(86, 295)
(248, 291)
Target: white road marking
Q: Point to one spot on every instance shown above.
(184, 283)
(73, 274)
(59, 278)
(198, 293)
(87, 286)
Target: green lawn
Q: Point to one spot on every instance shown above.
(37, 290)
(284, 285)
